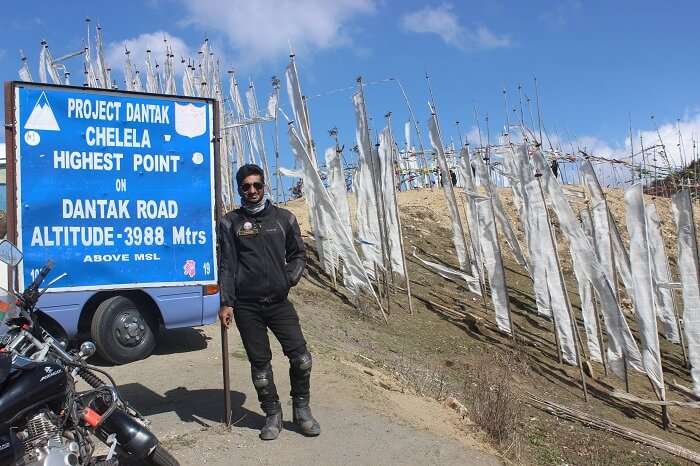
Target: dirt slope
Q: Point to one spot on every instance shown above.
(437, 354)
(378, 389)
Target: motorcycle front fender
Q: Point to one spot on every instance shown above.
(51, 325)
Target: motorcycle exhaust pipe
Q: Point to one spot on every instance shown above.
(133, 438)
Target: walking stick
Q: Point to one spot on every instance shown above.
(227, 381)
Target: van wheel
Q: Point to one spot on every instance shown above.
(122, 333)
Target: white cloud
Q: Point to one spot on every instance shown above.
(153, 41)
(560, 13)
(442, 21)
(680, 151)
(611, 158)
(487, 39)
(262, 30)
(439, 20)
(3, 157)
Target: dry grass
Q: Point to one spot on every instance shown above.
(487, 387)
(424, 378)
(491, 396)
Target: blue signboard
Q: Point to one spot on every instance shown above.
(116, 188)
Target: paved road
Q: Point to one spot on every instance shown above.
(179, 390)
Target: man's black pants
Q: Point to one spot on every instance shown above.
(253, 320)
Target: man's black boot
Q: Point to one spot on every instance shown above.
(303, 417)
(264, 383)
(300, 377)
(273, 425)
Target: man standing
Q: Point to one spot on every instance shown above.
(262, 257)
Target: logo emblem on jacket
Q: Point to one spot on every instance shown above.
(249, 229)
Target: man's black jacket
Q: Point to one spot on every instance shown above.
(261, 255)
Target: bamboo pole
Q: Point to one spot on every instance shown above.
(601, 343)
(660, 393)
(686, 363)
(416, 126)
(608, 426)
(500, 265)
(279, 184)
(378, 198)
(553, 314)
(446, 176)
(576, 335)
(398, 220)
(491, 193)
(387, 269)
(685, 391)
(615, 284)
(480, 267)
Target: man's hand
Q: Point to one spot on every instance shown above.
(226, 315)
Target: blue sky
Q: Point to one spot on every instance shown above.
(596, 62)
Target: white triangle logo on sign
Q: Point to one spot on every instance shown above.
(42, 117)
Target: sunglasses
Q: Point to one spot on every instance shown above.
(257, 185)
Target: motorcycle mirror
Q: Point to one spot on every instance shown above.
(87, 349)
(9, 253)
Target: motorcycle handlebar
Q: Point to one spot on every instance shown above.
(31, 294)
(41, 275)
(60, 351)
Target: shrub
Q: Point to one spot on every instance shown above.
(492, 399)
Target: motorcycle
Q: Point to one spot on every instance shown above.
(44, 419)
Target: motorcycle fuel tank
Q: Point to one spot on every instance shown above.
(30, 387)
